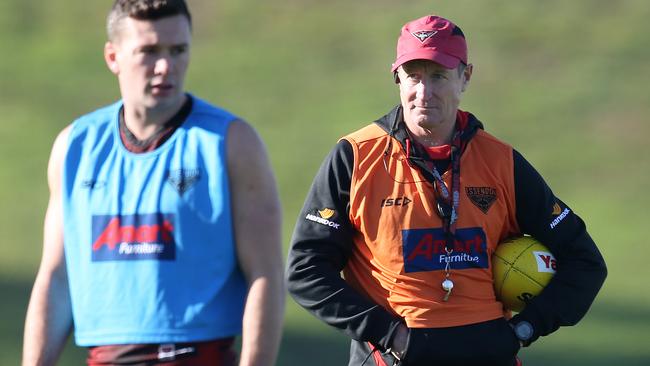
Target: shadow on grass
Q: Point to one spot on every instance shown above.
(536, 358)
(15, 296)
(298, 348)
(329, 347)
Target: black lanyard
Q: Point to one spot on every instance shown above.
(448, 207)
(448, 200)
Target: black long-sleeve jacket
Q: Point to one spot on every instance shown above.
(319, 253)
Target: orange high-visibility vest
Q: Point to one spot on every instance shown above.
(398, 259)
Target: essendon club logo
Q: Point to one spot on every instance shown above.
(133, 237)
(424, 34)
(424, 249)
(482, 197)
(183, 179)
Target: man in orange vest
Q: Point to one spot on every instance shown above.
(410, 209)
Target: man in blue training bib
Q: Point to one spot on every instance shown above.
(150, 249)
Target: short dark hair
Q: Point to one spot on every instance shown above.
(144, 10)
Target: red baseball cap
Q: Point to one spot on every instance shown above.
(431, 38)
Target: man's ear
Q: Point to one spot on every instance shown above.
(467, 75)
(110, 56)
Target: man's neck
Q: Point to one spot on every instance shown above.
(438, 136)
(135, 145)
(144, 122)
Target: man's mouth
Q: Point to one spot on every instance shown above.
(161, 87)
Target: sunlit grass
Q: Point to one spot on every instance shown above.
(564, 82)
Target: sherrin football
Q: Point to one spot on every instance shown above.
(522, 267)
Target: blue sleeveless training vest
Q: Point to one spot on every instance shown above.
(148, 237)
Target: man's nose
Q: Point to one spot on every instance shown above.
(163, 65)
(424, 90)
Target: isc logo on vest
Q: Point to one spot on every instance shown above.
(398, 201)
(424, 249)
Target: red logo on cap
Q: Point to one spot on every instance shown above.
(424, 35)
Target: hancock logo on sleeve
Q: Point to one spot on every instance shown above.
(545, 262)
(133, 237)
(556, 209)
(323, 218)
(559, 215)
(424, 249)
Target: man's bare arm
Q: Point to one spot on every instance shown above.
(49, 315)
(257, 220)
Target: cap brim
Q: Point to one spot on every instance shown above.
(431, 54)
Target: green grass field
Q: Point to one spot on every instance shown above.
(565, 82)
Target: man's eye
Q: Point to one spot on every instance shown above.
(148, 50)
(178, 50)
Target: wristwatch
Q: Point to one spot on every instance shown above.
(524, 332)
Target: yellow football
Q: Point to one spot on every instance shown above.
(521, 267)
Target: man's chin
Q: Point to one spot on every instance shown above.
(428, 121)
(164, 101)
